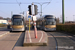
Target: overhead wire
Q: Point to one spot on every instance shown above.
(8, 3)
(47, 4)
(19, 4)
(13, 3)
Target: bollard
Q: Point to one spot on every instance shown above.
(35, 29)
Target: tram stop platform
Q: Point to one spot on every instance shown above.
(30, 39)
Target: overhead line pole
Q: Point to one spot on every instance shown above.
(63, 12)
(11, 14)
(41, 5)
(41, 10)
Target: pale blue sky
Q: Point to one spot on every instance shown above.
(55, 8)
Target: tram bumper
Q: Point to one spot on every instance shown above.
(21, 29)
(50, 29)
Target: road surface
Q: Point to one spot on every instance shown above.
(56, 41)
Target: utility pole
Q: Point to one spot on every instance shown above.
(27, 13)
(41, 10)
(11, 14)
(23, 12)
(63, 12)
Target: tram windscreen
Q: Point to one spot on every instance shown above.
(50, 21)
(17, 21)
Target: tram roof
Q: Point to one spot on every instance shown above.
(18, 14)
(45, 16)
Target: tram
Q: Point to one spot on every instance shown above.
(47, 23)
(18, 22)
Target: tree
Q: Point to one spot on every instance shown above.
(1, 17)
(57, 20)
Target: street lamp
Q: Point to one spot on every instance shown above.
(41, 5)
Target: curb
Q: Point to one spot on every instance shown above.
(36, 44)
(46, 40)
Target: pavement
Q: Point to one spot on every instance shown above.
(30, 39)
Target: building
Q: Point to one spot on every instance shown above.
(2, 21)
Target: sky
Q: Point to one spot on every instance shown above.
(54, 8)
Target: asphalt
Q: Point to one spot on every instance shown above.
(7, 42)
(56, 41)
(3, 31)
(63, 40)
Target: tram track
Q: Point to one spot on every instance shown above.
(62, 41)
(55, 41)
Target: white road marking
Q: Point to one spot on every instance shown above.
(41, 37)
(4, 34)
(29, 37)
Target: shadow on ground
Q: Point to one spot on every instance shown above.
(4, 29)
